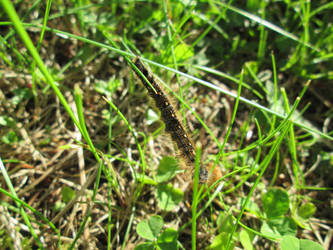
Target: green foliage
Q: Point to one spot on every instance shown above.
(167, 169)
(182, 52)
(225, 224)
(275, 205)
(168, 196)
(275, 202)
(278, 223)
(67, 194)
(151, 230)
(246, 239)
(10, 137)
(201, 48)
(278, 227)
(303, 213)
(307, 210)
(292, 243)
(220, 242)
(7, 121)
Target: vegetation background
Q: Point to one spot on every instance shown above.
(84, 160)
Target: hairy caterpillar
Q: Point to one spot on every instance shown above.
(169, 116)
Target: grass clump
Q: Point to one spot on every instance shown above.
(85, 161)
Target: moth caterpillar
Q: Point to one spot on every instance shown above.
(173, 124)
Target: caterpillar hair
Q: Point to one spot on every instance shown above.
(173, 124)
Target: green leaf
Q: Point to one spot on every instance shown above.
(183, 52)
(303, 213)
(10, 137)
(309, 245)
(169, 235)
(307, 210)
(220, 242)
(144, 231)
(268, 230)
(146, 179)
(252, 207)
(168, 246)
(150, 229)
(251, 65)
(67, 194)
(167, 169)
(168, 196)
(253, 5)
(145, 246)
(158, 14)
(156, 224)
(279, 227)
(168, 239)
(275, 202)
(246, 239)
(293, 243)
(7, 121)
(225, 223)
(285, 225)
(289, 242)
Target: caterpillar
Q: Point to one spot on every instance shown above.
(173, 124)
